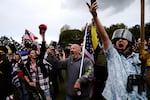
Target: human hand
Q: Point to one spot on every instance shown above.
(76, 86)
(92, 8)
(32, 84)
(43, 29)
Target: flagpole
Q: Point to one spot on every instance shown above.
(20, 57)
(83, 49)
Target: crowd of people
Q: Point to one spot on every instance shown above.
(115, 75)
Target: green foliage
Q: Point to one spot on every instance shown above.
(70, 36)
(113, 27)
(147, 30)
(135, 30)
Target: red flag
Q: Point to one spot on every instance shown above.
(29, 36)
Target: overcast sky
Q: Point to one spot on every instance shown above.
(18, 15)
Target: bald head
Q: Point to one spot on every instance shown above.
(75, 50)
(76, 46)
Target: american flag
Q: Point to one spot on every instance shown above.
(18, 46)
(29, 36)
(88, 47)
(87, 50)
(22, 50)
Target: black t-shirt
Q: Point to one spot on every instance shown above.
(5, 79)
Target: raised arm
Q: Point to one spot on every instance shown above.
(42, 30)
(101, 30)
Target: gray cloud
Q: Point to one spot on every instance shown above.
(116, 6)
(73, 4)
(16, 15)
(147, 3)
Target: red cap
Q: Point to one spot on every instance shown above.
(43, 26)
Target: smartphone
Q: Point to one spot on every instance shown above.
(92, 1)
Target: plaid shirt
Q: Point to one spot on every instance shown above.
(37, 76)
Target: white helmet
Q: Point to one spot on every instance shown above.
(122, 33)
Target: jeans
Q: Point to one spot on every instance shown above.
(47, 94)
(68, 98)
(22, 95)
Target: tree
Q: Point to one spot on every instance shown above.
(135, 30)
(70, 36)
(76, 36)
(113, 27)
(147, 30)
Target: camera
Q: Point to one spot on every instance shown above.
(135, 80)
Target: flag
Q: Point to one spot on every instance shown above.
(29, 36)
(22, 50)
(94, 37)
(88, 51)
(18, 46)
